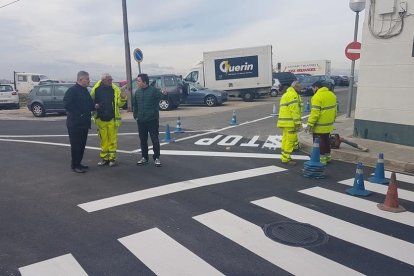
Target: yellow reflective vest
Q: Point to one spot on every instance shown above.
(323, 112)
(118, 101)
(290, 109)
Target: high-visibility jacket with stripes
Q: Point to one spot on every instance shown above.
(290, 110)
(118, 101)
(323, 111)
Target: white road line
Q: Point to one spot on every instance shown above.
(401, 177)
(381, 189)
(359, 204)
(176, 187)
(164, 256)
(230, 154)
(62, 265)
(372, 240)
(295, 260)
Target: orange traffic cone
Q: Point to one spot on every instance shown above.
(391, 199)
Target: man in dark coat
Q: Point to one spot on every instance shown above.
(78, 104)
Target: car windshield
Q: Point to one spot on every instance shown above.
(5, 88)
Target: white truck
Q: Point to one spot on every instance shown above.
(24, 82)
(243, 72)
(312, 67)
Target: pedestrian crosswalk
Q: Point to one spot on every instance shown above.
(164, 255)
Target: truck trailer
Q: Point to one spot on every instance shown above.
(24, 82)
(242, 72)
(312, 67)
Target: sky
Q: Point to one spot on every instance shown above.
(60, 37)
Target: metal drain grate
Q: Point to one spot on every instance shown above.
(295, 234)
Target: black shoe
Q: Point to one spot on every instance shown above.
(78, 170)
(83, 167)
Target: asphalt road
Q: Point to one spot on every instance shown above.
(201, 213)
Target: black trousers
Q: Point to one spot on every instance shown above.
(77, 138)
(150, 127)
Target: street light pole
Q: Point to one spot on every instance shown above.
(127, 55)
(356, 6)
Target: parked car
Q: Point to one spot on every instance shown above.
(198, 95)
(285, 79)
(171, 83)
(274, 90)
(8, 97)
(308, 81)
(47, 98)
(340, 80)
(301, 76)
(47, 81)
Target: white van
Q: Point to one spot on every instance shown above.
(24, 82)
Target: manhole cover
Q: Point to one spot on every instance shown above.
(295, 234)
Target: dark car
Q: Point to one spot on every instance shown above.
(197, 95)
(171, 83)
(47, 98)
(285, 79)
(308, 81)
(340, 80)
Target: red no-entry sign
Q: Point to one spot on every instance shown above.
(353, 50)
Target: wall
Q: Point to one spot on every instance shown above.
(385, 100)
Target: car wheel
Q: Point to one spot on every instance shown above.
(248, 96)
(165, 104)
(274, 93)
(38, 110)
(210, 100)
(17, 106)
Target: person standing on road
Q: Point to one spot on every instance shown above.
(146, 107)
(322, 118)
(290, 113)
(78, 104)
(108, 99)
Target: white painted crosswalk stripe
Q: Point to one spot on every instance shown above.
(176, 187)
(295, 260)
(64, 265)
(389, 246)
(359, 204)
(381, 189)
(164, 256)
(401, 177)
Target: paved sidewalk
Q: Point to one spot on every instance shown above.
(397, 158)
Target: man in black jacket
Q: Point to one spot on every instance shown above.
(78, 104)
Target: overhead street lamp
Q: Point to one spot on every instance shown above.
(356, 6)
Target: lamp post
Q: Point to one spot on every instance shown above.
(127, 54)
(356, 6)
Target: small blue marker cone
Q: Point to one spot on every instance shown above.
(379, 175)
(167, 134)
(359, 188)
(178, 128)
(233, 120)
(307, 109)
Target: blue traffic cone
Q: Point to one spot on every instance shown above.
(315, 154)
(274, 111)
(379, 176)
(314, 168)
(167, 134)
(233, 120)
(178, 128)
(307, 109)
(358, 188)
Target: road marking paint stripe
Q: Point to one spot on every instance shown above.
(176, 187)
(164, 256)
(401, 177)
(388, 246)
(381, 189)
(295, 260)
(230, 154)
(359, 204)
(62, 265)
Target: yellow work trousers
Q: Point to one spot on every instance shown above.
(107, 132)
(289, 140)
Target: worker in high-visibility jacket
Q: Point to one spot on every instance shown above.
(108, 100)
(290, 113)
(322, 118)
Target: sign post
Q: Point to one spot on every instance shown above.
(352, 52)
(138, 56)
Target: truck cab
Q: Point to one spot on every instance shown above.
(24, 82)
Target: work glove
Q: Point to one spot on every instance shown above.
(298, 128)
(309, 129)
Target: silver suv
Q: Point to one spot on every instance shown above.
(9, 97)
(47, 98)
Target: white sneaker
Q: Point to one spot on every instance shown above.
(112, 163)
(103, 162)
(143, 161)
(157, 162)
